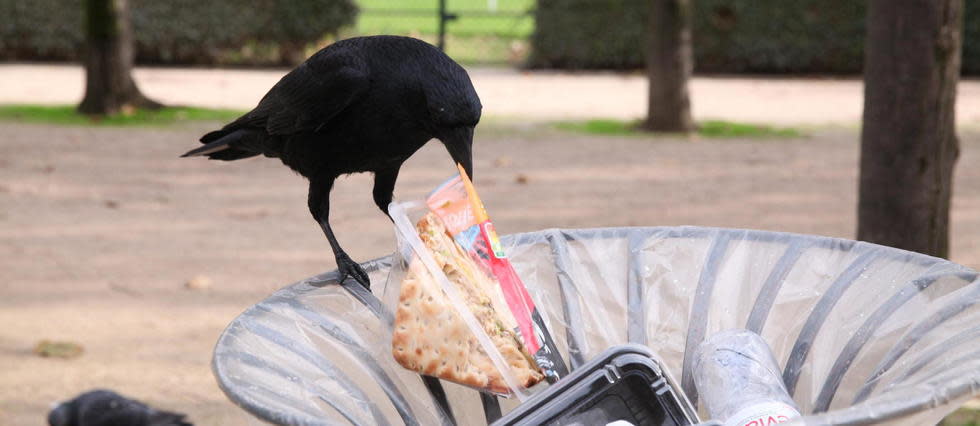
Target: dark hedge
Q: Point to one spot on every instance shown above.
(176, 31)
(766, 36)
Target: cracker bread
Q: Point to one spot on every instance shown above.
(431, 338)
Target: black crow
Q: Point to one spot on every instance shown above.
(363, 104)
(107, 408)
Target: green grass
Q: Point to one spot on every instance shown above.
(477, 37)
(600, 127)
(450, 4)
(967, 415)
(728, 129)
(66, 115)
(706, 129)
(507, 26)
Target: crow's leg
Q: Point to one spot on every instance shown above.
(384, 187)
(319, 202)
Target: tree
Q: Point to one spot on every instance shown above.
(669, 66)
(108, 57)
(908, 140)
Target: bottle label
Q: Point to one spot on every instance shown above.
(764, 414)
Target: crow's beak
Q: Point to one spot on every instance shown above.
(459, 143)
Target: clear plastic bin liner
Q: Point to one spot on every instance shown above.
(862, 333)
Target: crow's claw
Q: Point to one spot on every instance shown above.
(349, 268)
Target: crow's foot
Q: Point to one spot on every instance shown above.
(349, 268)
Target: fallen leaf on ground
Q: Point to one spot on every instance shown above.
(53, 349)
(199, 282)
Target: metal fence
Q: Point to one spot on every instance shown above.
(470, 31)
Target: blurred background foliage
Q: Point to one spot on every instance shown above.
(730, 36)
(180, 32)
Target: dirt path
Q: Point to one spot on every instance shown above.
(100, 228)
(509, 93)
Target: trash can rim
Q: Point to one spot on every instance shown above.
(365, 297)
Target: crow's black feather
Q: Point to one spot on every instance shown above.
(364, 104)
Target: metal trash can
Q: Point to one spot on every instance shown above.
(863, 333)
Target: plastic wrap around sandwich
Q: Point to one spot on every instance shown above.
(463, 314)
(431, 338)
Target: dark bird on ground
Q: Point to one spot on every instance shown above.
(107, 408)
(363, 104)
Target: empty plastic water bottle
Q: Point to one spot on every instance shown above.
(739, 381)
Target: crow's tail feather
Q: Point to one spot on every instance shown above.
(207, 149)
(218, 146)
(231, 154)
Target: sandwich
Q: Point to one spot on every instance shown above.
(430, 337)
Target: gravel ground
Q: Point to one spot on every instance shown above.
(100, 229)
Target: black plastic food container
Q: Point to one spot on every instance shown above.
(626, 382)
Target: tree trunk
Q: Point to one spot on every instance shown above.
(908, 140)
(669, 66)
(109, 85)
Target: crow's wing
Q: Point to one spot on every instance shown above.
(309, 96)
